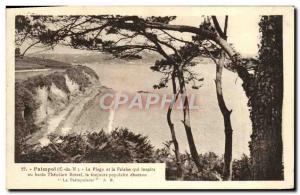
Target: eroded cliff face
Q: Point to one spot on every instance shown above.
(43, 104)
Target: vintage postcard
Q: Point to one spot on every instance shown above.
(150, 98)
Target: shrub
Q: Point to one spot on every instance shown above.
(59, 79)
(24, 119)
(124, 146)
(120, 146)
(77, 75)
(241, 169)
(211, 163)
(24, 108)
(38, 81)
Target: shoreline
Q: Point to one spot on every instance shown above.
(33, 70)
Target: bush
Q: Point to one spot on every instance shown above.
(38, 81)
(124, 146)
(211, 163)
(120, 146)
(241, 169)
(24, 108)
(59, 79)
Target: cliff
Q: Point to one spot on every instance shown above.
(43, 101)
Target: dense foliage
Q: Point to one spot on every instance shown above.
(265, 102)
(119, 146)
(124, 146)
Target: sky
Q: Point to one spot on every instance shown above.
(243, 33)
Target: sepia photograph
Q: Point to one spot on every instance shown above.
(203, 93)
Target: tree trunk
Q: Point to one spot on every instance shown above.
(266, 103)
(173, 134)
(227, 169)
(186, 122)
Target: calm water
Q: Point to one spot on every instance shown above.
(207, 122)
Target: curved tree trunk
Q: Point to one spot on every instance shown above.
(172, 129)
(227, 170)
(187, 124)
